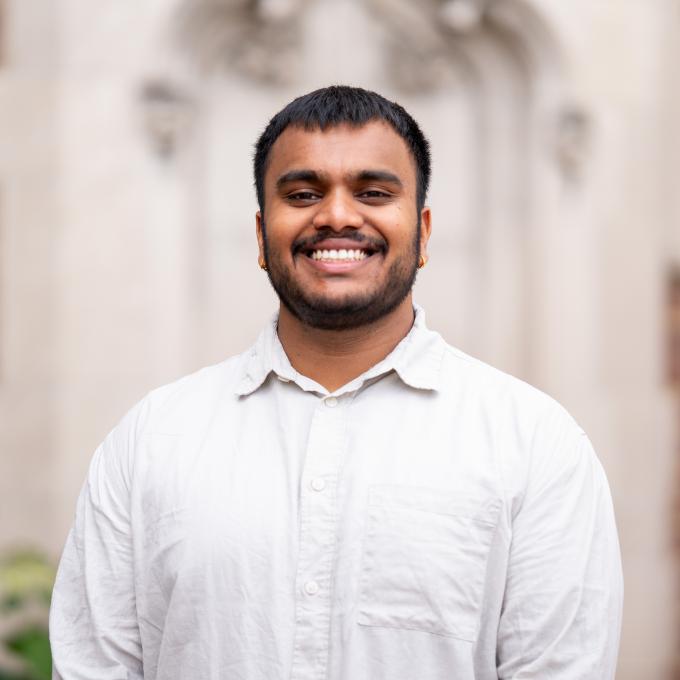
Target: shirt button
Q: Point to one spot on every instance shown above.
(282, 379)
(318, 484)
(311, 587)
(331, 402)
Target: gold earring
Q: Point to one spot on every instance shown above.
(262, 263)
(422, 261)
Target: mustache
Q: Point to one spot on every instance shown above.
(349, 234)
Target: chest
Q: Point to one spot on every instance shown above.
(252, 472)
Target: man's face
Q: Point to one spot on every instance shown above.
(341, 234)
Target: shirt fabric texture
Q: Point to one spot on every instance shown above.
(432, 519)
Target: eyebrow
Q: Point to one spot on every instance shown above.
(298, 176)
(379, 176)
(363, 176)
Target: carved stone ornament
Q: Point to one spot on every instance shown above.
(166, 113)
(258, 38)
(421, 37)
(261, 38)
(573, 140)
(462, 16)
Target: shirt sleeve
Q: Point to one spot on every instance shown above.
(93, 622)
(561, 613)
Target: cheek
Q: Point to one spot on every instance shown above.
(403, 235)
(278, 236)
(283, 227)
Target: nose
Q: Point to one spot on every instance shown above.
(337, 211)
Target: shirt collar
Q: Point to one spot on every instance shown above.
(416, 360)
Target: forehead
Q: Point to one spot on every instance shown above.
(341, 150)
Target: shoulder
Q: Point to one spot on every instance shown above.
(495, 387)
(171, 408)
(513, 410)
(537, 442)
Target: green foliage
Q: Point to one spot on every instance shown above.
(26, 580)
(4, 675)
(33, 647)
(24, 577)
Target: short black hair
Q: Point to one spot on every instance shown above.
(337, 105)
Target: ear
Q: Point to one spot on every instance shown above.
(425, 230)
(260, 235)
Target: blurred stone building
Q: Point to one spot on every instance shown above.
(127, 249)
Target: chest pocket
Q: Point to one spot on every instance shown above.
(424, 561)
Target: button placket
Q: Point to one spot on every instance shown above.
(318, 492)
(318, 484)
(311, 587)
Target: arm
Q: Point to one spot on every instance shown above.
(93, 621)
(561, 614)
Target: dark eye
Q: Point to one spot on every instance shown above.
(302, 196)
(374, 194)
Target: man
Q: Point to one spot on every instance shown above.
(351, 498)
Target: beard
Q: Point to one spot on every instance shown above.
(352, 310)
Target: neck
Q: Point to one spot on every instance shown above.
(333, 358)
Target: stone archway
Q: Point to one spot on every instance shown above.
(489, 102)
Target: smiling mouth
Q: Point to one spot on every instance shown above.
(339, 255)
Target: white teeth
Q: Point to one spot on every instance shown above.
(341, 254)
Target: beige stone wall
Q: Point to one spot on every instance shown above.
(127, 255)
(624, 64)
(29, 230)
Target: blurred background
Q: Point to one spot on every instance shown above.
(128, 256)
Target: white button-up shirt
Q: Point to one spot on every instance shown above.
(432, 519)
